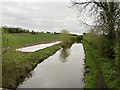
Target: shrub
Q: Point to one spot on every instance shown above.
(104, 45)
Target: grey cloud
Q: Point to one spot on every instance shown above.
(40, 16)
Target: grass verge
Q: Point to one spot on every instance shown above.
(14, 72)
(105, 63)
(90, 70)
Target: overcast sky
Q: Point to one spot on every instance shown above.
(40, 15)
(36, 0)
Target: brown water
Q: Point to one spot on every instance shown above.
(64, 69)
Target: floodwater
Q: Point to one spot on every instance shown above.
(36, 47)
(64, 69)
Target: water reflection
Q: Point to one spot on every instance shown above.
(65, 52)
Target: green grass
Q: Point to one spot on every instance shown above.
(25, 39)
(17, 65)
(106, 64)
(90, 70)
(109, 72)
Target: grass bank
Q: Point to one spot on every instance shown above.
(90, 70)
(105, 64)
(17, 65)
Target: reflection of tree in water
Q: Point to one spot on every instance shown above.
(65, 52)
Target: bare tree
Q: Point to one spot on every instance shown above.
(108, 20)
(108, 14)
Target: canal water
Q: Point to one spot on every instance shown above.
(64, 69)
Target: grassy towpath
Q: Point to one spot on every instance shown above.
(100, 71)
(93, 72)
(100, 82)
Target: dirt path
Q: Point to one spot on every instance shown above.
(100, 80)
(100, 83)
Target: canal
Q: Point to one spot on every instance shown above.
(64, 69)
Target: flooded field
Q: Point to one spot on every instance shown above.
(36, 47)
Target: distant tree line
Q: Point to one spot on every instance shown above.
(21, 30)
(14, 29)
(17, 30)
